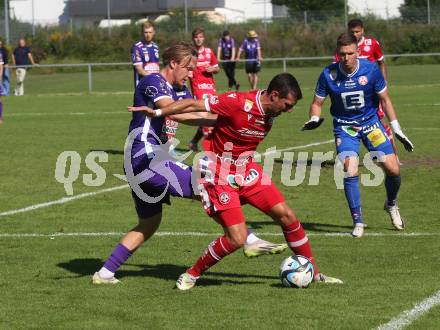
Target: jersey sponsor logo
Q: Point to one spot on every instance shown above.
(205, 86)
(151, 67)
(370, 128)
(213, 99)
(232, 182)
(232, 95)
(350, 83)
(247, 132)
(224, 198)
(182, 93)
(353, 100)
(363, 80)
(240, 161)
(368, 42)
(350, 130)
(251, 177)
(151, 91)
(376, 137)
(248, 105)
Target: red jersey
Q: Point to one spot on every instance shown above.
(368, 48)
(241, 126)
(202, 82)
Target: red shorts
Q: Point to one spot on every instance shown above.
(256, 189)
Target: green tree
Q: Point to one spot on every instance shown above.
(317, 10)
(416, 11)
(295, 5)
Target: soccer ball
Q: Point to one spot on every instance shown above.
(296, 272)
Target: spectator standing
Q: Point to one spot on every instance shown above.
(252, 53)
(226, 52)
(22, 56)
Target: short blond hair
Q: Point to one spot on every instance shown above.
(147, 25)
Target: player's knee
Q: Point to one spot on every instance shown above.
(286, 216)
(146, 225)
(237, 240)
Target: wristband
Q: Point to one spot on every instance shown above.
(314, 118)
(395, 125)
(157, 112)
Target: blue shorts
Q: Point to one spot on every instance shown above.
(371, 132)
(158, 180)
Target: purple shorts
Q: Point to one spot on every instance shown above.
(160, 180)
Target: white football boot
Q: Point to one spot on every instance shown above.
(358, 230)
(261, 247)
(396, 219)
(186, 281)
(96, 279)
(320, 277)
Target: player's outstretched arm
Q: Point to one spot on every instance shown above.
(314, 114)
(392, 117)
(178, 107)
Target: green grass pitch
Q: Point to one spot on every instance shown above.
(45, 278)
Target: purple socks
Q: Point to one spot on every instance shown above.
(118, 257)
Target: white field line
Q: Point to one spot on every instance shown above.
(61, 201)
(69, 199)
(123, 112)
(300, 147)
(202, 234)
(407, 317)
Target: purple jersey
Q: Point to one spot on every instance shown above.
(151, 89)
(152, 173)
(226, 46)
(250, 47)
(147, 55)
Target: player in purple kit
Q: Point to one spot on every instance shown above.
(226, 52)
(145, 53)
(153, 175)
(252, 51)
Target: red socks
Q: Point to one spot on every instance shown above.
(216, 251)
(298, 242)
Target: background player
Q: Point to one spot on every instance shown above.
(145, 53)
(202, 80)
(252, 53)
(226, 52)
(356, 86)
(231, 178)
(369, 49)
